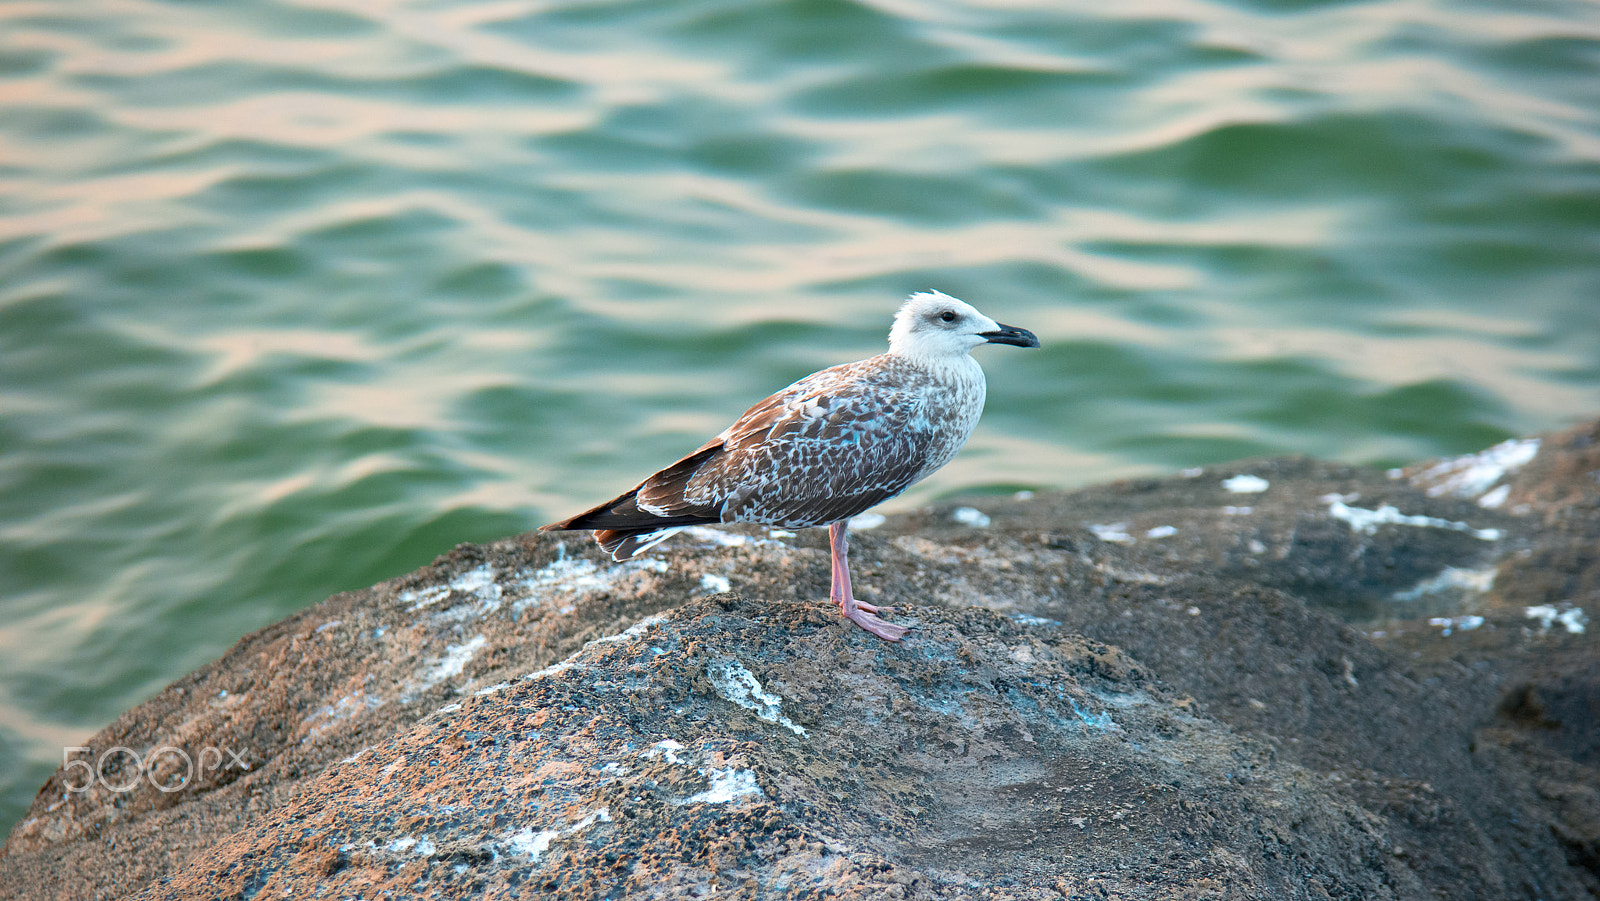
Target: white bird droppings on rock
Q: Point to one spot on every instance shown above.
(1450, 579)
(665, 748)
(1099, 722)
(862, 522)
(1116, 533)
(633, 631)
(531, 845)
(970, 516)
(412, 846)
(739, 685)
(726, 785)
(448, 665)
(1573, 619)
(1451, 624)
(498, 686)
(347, 707)
(574, 576)
(478, 582)
(1367, 521)
(1472, 475)
(1246, 484)
(1495, 498)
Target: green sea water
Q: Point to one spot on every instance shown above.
(295, 296)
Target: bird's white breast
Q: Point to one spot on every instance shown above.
(950, 394)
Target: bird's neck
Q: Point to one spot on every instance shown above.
(953, 370)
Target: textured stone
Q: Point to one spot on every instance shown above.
(1326, 686)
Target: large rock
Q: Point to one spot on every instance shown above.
(1319, 681)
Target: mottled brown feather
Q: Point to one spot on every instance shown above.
(826, 448)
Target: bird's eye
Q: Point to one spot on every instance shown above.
(948, 316)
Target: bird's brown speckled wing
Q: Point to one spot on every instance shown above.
(824, 449)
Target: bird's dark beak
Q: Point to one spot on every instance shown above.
(1010, 334)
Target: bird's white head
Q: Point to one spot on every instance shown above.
(933, 325)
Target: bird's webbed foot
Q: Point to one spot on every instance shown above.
(872, 608)
(864, 615)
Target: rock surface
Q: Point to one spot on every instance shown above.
(1273, 679)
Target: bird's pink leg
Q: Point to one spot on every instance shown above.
(858, 612)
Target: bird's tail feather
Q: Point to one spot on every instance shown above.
(625, 531)
(626, 528)
(622, 514)
(625, 545)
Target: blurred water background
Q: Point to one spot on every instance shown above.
(296, 295)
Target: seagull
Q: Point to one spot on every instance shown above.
(826, 448)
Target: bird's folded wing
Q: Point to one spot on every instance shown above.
(824, 449)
